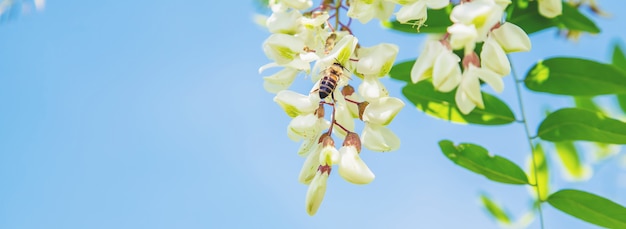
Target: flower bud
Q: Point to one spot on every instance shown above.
(550, 8)
(329, 154)
(362, 106)
(353, 140)
(317, 189)
(347, 90)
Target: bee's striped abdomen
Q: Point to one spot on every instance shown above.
(329, 81)
(327, 86)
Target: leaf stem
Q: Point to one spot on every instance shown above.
(524, 120)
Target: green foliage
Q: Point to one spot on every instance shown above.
(495, 210)
(569, 156)
(619, 60)
(402, 71)
(575, 76)
(589, 207)
(529, 19)
(570, 124)
(442, 105)
(437, 22)
(543, 180)
(477, 159)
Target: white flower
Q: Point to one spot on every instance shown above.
(343, 116)
(468, 95)
(282, 48)
(446, 71)
(550, 8)
(422, 69)
(317, 190)
(416, 9)
(310, 166)
(341, 53)
(378, 138)
(364, 11)
(511, 38)
(295, 104)
(462, 36)
(280, 81)
(284, 22)
(483, 14)
(382, 111)
(493, 58)
(282, 5)
(371, 88)
(377, 60)
(307, 128)
(352, 168)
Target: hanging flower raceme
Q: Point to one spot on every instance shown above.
(330, 110)
(475, 23)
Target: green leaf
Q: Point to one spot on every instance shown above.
(574, 76)
(572, 19)
(619, 60)
(529, 19)
(542, 182)
(478, 160)
(586, 102)
(589, 207)
(570, 124)
(570, 159)
(402, 71)
(437, 22)
(442, 105)
(495, 210)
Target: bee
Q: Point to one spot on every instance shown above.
(330, 79)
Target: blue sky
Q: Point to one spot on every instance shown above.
(151, 114)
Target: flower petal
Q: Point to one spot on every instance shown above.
(279, 81)
(309, 168)
(383, 110)
(377, 60)
(422, 69)
(379, 138)
(282, 48)
(352, 168)
(371, 88)
(295, 104)
(511, 38)
(412, 11)
(446, 72)
(492, 57)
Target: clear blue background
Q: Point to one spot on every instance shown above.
(151, 114)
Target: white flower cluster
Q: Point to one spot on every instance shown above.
(476, 21)
(301, 39)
